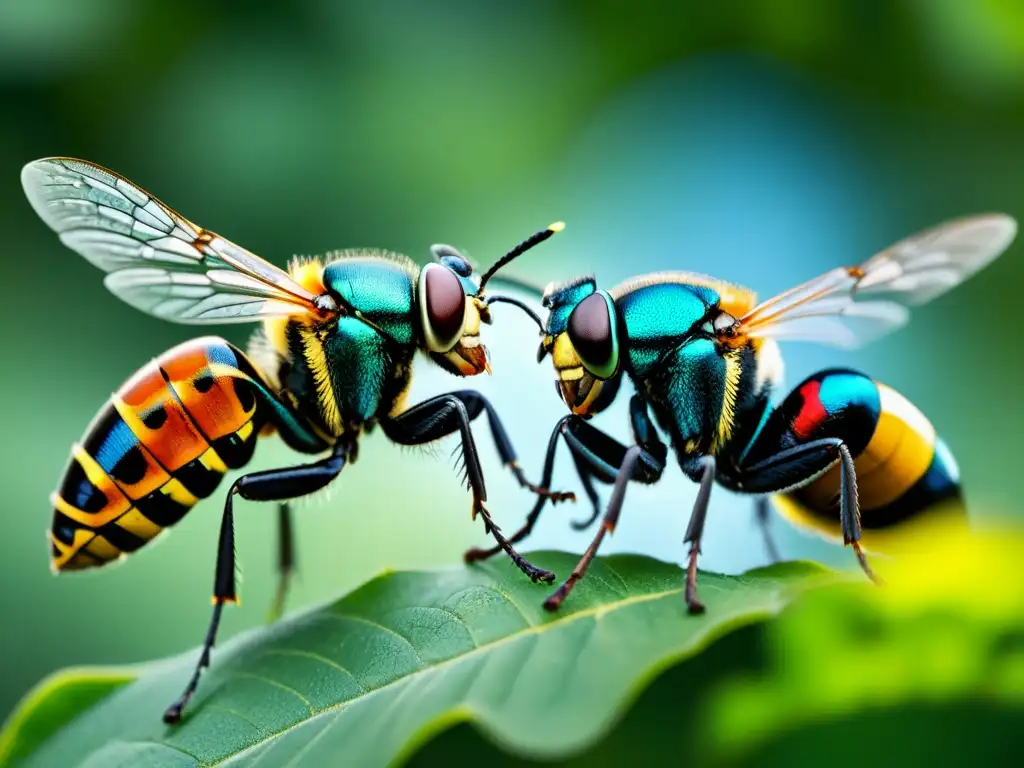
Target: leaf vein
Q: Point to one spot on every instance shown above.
(233, 712)
(507, 639)
(380, 628)
(459, 620)
(275, 683)
(309, 744)
(316, 657)
(608, 567)
(514, 604)
(172, 747)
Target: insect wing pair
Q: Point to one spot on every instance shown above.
(150, 455)
(333, 359)
(704, 360)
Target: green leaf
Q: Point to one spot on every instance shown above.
(53, 703)
(927, 671)
(376, 674)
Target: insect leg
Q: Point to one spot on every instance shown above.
(270, 485)
(763, 517)
(849, 510)
(634, 460)
(695, 531)
(475, 402)
(441, 416)
(796, 466)
(586, 477)
(475, 554)
(585, 474)
(596, 455)
(285, 559)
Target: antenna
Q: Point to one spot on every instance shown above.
(499, 299)
(535, 239)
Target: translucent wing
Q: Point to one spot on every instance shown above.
(156, 260)
(850, 306)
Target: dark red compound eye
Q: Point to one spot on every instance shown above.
(592, 336)
(445, 304)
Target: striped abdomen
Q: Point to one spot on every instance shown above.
(162, 442)
(905, 472)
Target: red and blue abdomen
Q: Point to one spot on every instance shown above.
(904, 470)
(163, 441)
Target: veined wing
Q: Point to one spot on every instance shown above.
(157, 260)
(850, 306)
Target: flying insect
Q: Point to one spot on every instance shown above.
(332, 360)
(842, 453)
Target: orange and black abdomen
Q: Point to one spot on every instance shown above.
(162, 442)
(905, 472)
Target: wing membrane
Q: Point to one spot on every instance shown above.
(157, 260)
(850, 306)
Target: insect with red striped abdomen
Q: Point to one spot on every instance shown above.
(841, 453)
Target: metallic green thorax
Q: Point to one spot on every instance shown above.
(686, 393)
(656, 318)
(380, 289)
(671, 357)
(346, 373)
(361, 366)
(695, 386)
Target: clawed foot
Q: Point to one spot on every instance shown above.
(693, 605)
(555, 600)
(476, 554)
(277, 607)
(863, 560)
(534, 573)
(553, 603)
(553, 496)
(537, 574)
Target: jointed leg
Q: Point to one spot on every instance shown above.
(272, 485)
(635, 457)
(475, 403)
(694, 533)
(441, 416)
(596, 455)
(849, 510)
(791, 466)
(586, 477)
(475, 554)
(763, 516)
(285, 559)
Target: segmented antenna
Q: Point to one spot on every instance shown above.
(500, 299)
(535, 239)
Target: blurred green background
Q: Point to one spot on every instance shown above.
(759, 141)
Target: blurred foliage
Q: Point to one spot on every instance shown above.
(53, 704)
(896, 667)
(928, 670)
(760, 141)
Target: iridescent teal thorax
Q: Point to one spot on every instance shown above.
(672, 358)
(656, 318)
(381, 289)
(351, 371)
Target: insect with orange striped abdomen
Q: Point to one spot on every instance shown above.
(332, 361)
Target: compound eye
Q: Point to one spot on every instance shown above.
(592, 333)
(442, 307)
